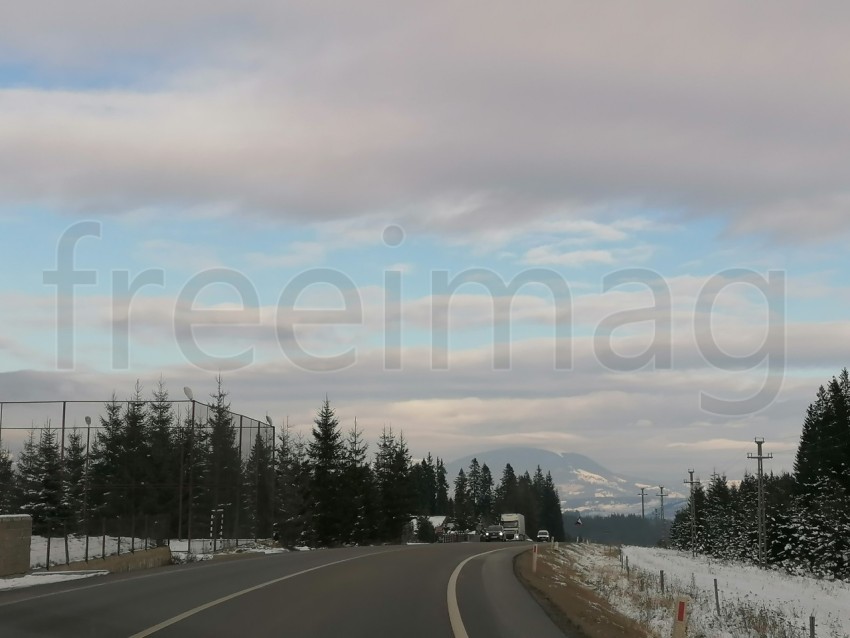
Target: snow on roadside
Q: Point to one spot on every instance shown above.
(753, 602)
(44, 578)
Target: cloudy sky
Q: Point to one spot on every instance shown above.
(614, 229)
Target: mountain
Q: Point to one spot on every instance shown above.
(583, 484)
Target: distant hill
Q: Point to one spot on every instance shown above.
(583, 484)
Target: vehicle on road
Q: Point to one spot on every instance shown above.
(493, 533)
(514, 525)
(543, 536)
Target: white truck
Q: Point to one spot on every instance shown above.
(514, 525)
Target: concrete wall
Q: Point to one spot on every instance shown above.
(129, 562)
(15, 537)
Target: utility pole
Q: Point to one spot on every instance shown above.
(662, 495)
(692, 482)
(762, 527)
(642, 496)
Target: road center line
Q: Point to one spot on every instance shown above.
(186, 614)
(455, 619)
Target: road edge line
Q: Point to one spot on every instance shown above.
(455, 618)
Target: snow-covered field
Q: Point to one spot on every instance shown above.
(753, 602)
(77, 549)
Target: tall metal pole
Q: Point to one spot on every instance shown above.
(662, 495)
(761, 514)
(642, 507)
(62, 442)
(191, 475)
(1, 424)
(692, 482)
(86, 493)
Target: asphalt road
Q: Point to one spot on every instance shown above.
(379, 592)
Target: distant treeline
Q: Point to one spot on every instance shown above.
(618, 529)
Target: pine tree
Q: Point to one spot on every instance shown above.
(258, 488)
(47, 511)
(222, 465)
(392, 479)
(528, 503)
(292, 485)
(326, 455)
(359, 491)
(164, 445)
(473, 478)
(441, 506)
(507, 497)
(7, 483)
(74, 481)
(106, 463)
(486, 497)
(551, 516)
(463, 512)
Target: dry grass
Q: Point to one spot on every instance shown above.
(574, 607)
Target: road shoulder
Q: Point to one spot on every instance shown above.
(575, 609)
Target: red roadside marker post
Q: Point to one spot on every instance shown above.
(680, 618)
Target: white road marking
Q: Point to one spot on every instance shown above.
(186, 614)
(455, 619)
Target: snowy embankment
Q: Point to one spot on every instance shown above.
(753, 602)
(77, 549)
(45, 578)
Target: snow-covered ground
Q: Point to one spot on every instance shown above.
(43, 578)
(77, 549)
(753, 602)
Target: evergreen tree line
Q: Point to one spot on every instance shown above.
(478, 502)
(149, 472)
(807, 512)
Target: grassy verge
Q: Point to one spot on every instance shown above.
(577, 610)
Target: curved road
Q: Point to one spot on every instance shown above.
(453, 591)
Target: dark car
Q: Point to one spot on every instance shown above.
(493, 533)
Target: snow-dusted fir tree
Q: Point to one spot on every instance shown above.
(107, 456)
(74, 482)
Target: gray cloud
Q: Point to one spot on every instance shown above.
(469, 118)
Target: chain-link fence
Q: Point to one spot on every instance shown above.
(143, 471)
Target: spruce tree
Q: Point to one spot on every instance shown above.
(74, 482)
(464, 511)
(164, 480)
(258, 489)
(392, 478)
(293, 481)
(358, 487)
(441, 506)
(326, 454)
(222, 465)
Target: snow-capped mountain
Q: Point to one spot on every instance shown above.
(583, 484)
